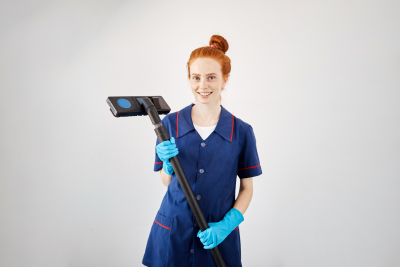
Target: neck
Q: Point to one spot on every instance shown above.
(206, 114)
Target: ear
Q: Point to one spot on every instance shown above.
(224, 83)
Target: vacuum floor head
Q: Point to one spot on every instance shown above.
(125, 106)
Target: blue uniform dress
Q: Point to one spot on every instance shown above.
(211, 166)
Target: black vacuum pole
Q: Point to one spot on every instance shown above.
(163, 135)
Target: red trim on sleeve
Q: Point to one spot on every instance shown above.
(235, 228)
(177, 117)
(233, 121)
(161, 224)
(249, 167)
(158, 162)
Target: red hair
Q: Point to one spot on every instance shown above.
(217, 53)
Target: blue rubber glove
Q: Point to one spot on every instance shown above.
(218, 231)
(165, 151)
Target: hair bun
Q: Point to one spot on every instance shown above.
(219, 42)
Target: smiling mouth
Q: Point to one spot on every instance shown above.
(205, 93)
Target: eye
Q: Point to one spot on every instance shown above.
(195, 78)
(213, 77)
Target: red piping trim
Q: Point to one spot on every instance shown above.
(233, 121)
(236, 228)
(158, 162)
(161, 224)
(249, 167)
(177, 117)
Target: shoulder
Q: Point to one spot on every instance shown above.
(242, 126)
(170, 118)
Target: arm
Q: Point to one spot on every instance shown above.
(245, 194)
(218, 231)
(165, 178)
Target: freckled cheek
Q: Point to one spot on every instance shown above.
(194, 87)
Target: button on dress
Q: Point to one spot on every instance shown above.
(211, 167)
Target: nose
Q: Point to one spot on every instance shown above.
(203, 83)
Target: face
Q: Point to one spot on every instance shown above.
(206, 80)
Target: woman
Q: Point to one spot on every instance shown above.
(213, 147)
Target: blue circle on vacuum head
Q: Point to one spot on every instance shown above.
(123, 103)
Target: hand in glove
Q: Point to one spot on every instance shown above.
(165, 151)
(218, 231)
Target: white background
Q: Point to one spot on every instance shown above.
(318, 81)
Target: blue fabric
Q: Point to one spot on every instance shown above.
(211, 167)
(218, 231)
(165, 151)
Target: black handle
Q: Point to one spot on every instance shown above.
(163, 135)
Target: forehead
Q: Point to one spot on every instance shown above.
(204, 65)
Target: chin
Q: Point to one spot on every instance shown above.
(206, 101)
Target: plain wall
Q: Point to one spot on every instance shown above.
(318, 81)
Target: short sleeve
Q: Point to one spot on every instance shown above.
(249, 163)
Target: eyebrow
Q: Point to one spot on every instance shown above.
(206, 74)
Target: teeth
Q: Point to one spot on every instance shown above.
(204, 93)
